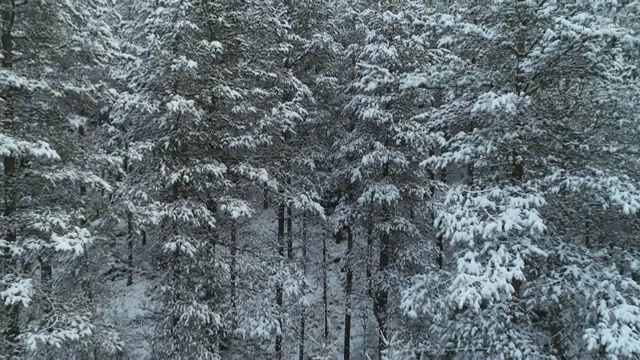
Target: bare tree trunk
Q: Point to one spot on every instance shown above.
(381, 298)
(369, 261)
(234, 270)
(325, 289)
(289, 228)
(130, 232)
(279, 295)
(130, 248)
(348, 287)
(303, 316)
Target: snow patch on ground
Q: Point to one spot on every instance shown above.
(127, 310)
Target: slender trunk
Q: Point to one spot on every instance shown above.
(440, 243)
(86, 283)
(212, 206)
(369, 260)
(439, 235)
(364, 317)
(174, 262)
(304, 269)
(289, 228)
(381, 295)
(221, 343)
(130, 248)
(81, 133)
(517, 174)
(587, 233)
(234, 271)
(381, 298)
(369, 274)
(436, 176)
(10, 185)
(348, 287)
(103, 174)
(45, 277)
(556, 335)
(325, 289)
(517, 170)
(125, 168)
(143, 241)
(279, 298)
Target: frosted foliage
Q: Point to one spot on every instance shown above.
(180, 244)
(199, 313)
(11, 79)
(68, 329)
(614, 312)
(493, 280)
(235, 208)
(9, 145)
(491, 102)
(73, 242)
(19, 291)
(524, 259)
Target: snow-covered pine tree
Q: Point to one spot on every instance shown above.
(48, 50)
(281, 102)
(175, 96)
(543, 127)
(385, 192)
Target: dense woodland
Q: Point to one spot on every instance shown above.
(320, 179)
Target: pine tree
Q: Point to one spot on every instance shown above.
(543, 101)
(175, 189)
(386, 194)
(48, 193)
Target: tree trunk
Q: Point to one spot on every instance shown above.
(289, 228)
(130, 248)
(348, 287)
(125, 169)
(556, 335)
(81, 133)
(517, 174)
(10, 185)
(265, 198)
(279, 298)
(234, 271)
(174, 262)
(46, 273)
(381, 295)
(303, 316)
(381, 298)
(325, 289)
(439, 235)
(587, 233)
(369, 261)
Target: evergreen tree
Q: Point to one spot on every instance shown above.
(50, 183)
(545, 101)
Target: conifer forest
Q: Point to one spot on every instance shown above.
(320, 179)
